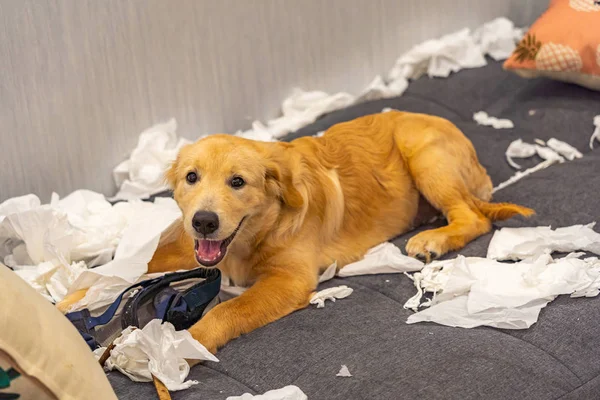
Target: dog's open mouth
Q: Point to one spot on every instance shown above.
(210, 252)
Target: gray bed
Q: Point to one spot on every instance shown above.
(557, 358)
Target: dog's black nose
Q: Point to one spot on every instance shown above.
(205, 222)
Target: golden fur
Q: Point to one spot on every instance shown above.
(314, 201)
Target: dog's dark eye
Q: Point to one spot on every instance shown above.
(191, 178)
(237, 182)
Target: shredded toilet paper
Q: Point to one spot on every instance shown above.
(157, 349)
(344, 372)
(385, 258)
(53, 246)
(484, 292)
(522, 243)
(482, 118)
(338, 292)
(564, 149)
(143, 173)
(519, 149)
(553, 151)
(596, 135)
(290, 392)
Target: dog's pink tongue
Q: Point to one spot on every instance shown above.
(209, 250)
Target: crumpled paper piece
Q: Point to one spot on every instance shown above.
(596, 135)
(344, 372)
(52, 246)
(290, 392)
(157, 349)
(483, 292)
(522, 243)
(551, 155)
(384, 258)
(519, 149)
(453, 52)
(298, 110)
(482, 118)
(338, 292)
(564, 149)
(378, 89)
(142, 174)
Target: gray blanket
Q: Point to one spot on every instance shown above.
(558, 357)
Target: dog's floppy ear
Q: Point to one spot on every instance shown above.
(279, 180)
(171, 173)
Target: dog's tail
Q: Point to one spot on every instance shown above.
(501, 211)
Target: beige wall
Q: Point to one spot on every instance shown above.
(79, 79)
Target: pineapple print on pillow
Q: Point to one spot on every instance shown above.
(585, 5)
(549, 56)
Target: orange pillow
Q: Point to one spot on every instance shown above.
(563, 44)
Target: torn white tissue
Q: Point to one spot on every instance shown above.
(51, 246)
(338, 292)
(564, 149)
(344, 372)
(522, 174)
(157, 349)
(522, 243)
(319, 134)
(329, 273)
(548, 154)
(298, 110)
(387, 109)
(378, 89)
(290, 392)
(519, 149)
(439, 57)
(596, 135)
(482, 118)
(143, 173)
(384, 258)
(498, 38)
(484, 292)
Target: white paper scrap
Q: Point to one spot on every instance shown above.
(596, 135)
(157, 349)
(482, 118)
(344, 372)
(564, 149)
(384, 258)
(290, 392)
(519, 149)
(143, 173)
(378, 89)
(485, 292)
(329, 273)
(522, 243)
(338, 292)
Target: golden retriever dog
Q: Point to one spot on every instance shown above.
(273, 216)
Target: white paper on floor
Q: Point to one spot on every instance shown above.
(52, 246)
(384, 258)
(470, 292)
(596, 135)
(344, 372)
(484, 292)
(156, 349)
(522, 243)
(551, 152)
(333, 293)
(290, 392)
(143, 173)
(482, 118)
(564, 149)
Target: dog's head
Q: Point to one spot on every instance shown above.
(226, 186)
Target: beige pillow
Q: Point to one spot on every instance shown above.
(40, 343)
